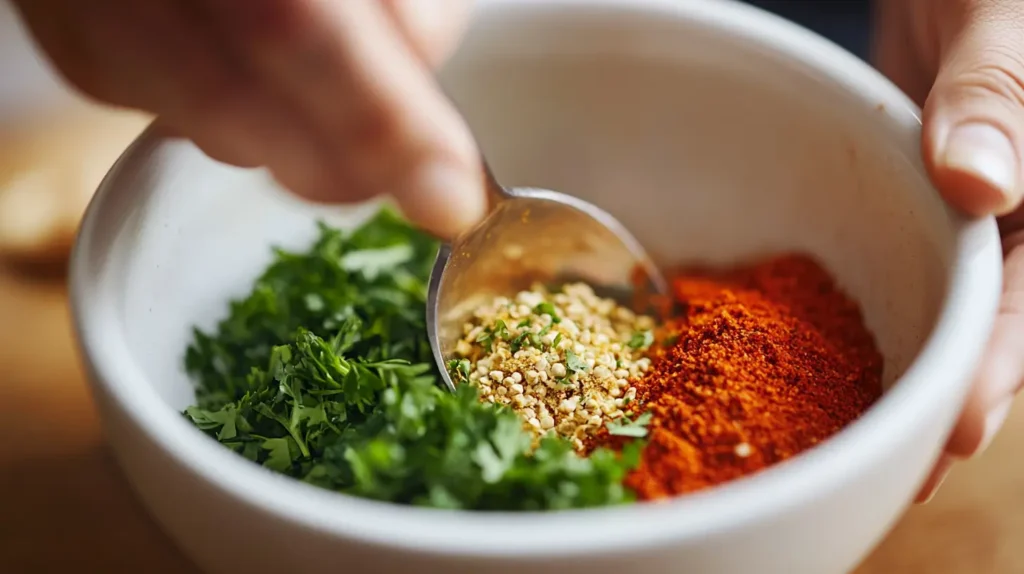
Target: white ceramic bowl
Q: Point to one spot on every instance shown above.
(716, 132)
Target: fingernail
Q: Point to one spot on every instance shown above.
(985, 152)
(443, 199)
(993, 422)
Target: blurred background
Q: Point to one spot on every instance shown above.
(65, 506)
(54, 150)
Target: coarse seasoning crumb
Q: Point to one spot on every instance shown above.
(563, 360)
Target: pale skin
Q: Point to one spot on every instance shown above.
(337, 99)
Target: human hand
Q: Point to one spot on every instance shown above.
(335, 97)
(964, 61)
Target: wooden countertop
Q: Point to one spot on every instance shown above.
(65, 506)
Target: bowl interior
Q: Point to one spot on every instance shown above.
(714, 132)
(709, 149)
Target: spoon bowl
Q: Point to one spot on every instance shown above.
(531, 235)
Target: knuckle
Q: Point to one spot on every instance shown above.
(1000, 74)
(998, 11)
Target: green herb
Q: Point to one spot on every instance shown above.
(458, 369)
(631, 428)
(573, 362)
(372, 262)
(538, 338)
(546, 308)
(324, 373)
(315, 291)
(641, 340)
(486, 339)
(523, 323)
(500, 330)
(518, 342)
(558, 339)
(491, 334)
(536, 341)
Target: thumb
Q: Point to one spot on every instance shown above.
(974, 115)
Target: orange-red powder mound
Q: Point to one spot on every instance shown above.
(761, 364)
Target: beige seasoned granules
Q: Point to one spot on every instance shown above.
(563, 360)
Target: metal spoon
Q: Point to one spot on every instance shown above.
(530, 235)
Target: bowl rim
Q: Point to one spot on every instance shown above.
(935, 377)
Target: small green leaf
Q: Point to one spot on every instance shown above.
(486, 339)
(641, 340)
(500, 331)
(548, 309)
(372, 262)
(458, 369)
(279, 455)
(573, 362)
(519, 342)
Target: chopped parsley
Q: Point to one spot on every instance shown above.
(499, 330)
(459, 369)
(486, 339)
(518, 342)
(573, 362)
(641, 340)
(491, 334)
(324, 373)
(548, 309)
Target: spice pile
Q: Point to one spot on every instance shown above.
(565, 400)
(562, 360)
(764, 363)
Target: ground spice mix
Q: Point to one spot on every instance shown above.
(760, 364)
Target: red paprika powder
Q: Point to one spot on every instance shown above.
(761, 364)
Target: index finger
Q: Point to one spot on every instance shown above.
(381, 119)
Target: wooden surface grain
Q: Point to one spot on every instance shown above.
(65, 507)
